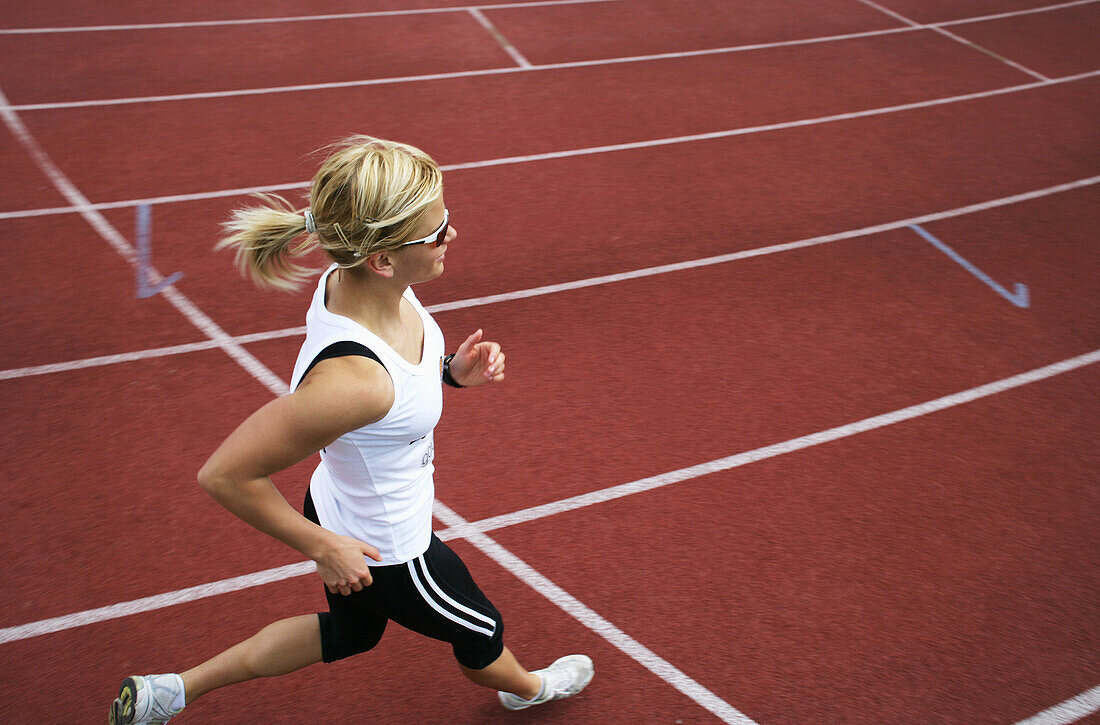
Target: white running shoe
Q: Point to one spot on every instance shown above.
(146, 700)
(565, 678)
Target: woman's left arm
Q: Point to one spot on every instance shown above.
(477, 362)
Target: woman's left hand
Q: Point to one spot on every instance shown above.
(477, 362)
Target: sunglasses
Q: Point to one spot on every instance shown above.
(435, 238)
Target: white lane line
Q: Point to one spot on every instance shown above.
(566, 286)
(1070, 711)
(155, 352)
(92, 362)
(114, 611)
(446, 75)
(778, 449)
(1013, 13)
(997, 56)
(158, 601)
(957, 38)
(287, 19)
(111, 235)
(172, 199)
(499, 37)
(587, 151)
(428, 11)
(761, 251)
(265, 91)
(534, 67)
(572, 606)
(729, 133)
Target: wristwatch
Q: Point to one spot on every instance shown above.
(447, 377)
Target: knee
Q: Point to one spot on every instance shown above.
(348, 636)
(478, 654)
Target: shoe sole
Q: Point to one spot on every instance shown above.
(122, 709)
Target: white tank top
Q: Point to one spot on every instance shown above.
(375, 483)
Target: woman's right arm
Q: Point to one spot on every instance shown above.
(338, 395)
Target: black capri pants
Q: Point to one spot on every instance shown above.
(433, 594)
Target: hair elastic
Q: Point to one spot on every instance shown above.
(311, 223)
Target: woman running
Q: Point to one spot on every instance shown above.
(366, 393)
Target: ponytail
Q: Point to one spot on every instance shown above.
(369, 195)
(263, 240)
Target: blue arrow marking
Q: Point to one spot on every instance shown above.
(145, 254)
(1020, 298)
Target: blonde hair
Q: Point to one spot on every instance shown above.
(368, 196)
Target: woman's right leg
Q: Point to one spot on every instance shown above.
(506, 674)
(281, 647)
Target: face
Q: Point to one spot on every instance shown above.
(425, 260)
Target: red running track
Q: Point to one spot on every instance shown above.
(782, 186)
(942, 569)
(1053, 43)
(487, 117)
(70, 13)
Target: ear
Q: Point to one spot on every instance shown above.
(380, 263)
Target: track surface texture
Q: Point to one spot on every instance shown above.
(800, 302)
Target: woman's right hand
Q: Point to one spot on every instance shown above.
(343, 566)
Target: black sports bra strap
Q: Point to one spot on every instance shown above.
(342, 349)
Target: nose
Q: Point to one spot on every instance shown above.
(451, 234)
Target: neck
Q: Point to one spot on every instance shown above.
(371, 300)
